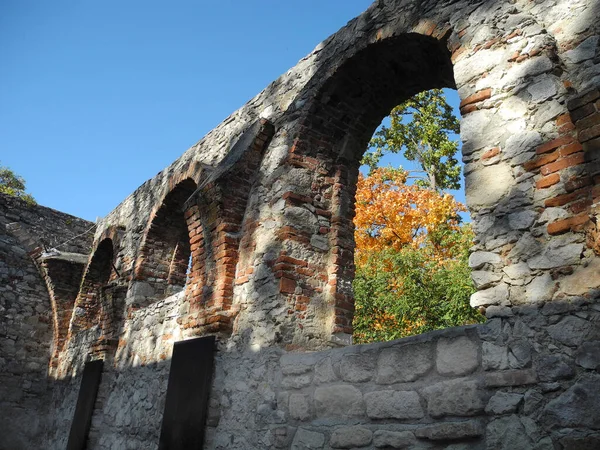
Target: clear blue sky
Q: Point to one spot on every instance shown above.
(98, 96)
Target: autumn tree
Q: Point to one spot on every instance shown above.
(412, 272)
(14, 185)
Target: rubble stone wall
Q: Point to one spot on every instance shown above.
(28, 330)
(267, 200)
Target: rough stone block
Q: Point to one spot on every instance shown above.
(577, 407)
(358, 367)
(305, 439)
(299, 407)
(338, 401)
(393, 405)
(456, 356)
(510, 378)
(451, 430)
(454, 398)
(350, 437)
(393, 439)
(507, 433)
(494, 357)
(404, 364)
(571, 331)
(503, 403)
(553, 368)
(588, 355)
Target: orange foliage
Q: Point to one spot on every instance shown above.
(392, 214)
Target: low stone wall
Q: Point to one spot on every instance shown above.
(525, 379)
(528, 378)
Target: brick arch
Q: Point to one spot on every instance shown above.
(164, 257)
(88, 305)
(334, 133)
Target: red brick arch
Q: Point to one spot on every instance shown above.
(165, 253)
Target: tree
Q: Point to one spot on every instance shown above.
(14, 185)
(393, 214)
(420, 128)
(412, 272)
(409, 291)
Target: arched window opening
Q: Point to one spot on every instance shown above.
(336, 131)
(165, 257)
(412, 229)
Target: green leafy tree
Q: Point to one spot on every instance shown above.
(409, 291)
(420, 128)
(14, 185)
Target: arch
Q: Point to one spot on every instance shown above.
(88, 305)
(335, 129)
(163, 262)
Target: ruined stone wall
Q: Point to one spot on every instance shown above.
(526, 379)
(270, 237)
(27, 324)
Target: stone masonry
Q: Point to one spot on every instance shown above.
(248, 236)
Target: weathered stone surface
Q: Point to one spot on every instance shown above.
(497, 178)
(588, 355)
(299, 407)
(456, 356)
(478, 259)
(484, 279)
(522, 220)
(307, 440)
(540, 289)
(554, 367)
(461, 397)
(393, 405)
(451, 430)
(586, 50)
(577, 406)
(393, 439)
(403, 363)
(297, 363)
(497, 295)
(503, 403)
(338, 401)
(507, 433)
(582, 280)
(510, 378)
(591, 442)
(570, 330)
(494, 357)
(324, 372)
(350, 437)
(557, 257)
(543, 89)
(358, 367)
(522, 142)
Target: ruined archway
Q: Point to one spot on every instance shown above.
(164, 259)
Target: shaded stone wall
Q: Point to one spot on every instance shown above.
(29, 325)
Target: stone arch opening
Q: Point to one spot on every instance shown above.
(334, 135)
(164, 261)
(88, 306)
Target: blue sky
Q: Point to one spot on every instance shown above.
(98, 96)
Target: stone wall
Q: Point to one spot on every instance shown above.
(27, 320)
(525, 379)
(267, 201)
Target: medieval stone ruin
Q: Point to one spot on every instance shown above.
(262, 206)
